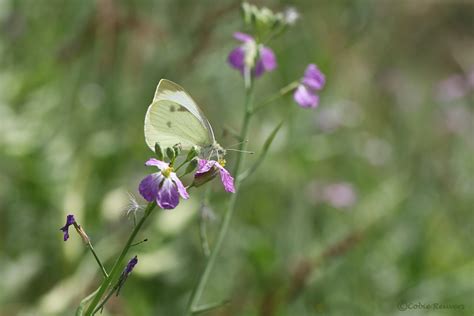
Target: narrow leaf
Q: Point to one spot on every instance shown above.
(82, 305)
(208, 307)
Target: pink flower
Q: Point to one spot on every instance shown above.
(312, 81)
(210, 167)
(164, 186)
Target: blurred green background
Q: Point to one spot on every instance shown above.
(362, 204)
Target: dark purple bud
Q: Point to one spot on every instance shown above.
(131, 264)
(126, 272)
(69, 221)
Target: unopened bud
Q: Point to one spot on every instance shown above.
(193, 152)
(159, 152)
(170, 153)
(177, 149)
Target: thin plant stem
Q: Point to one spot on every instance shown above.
(102, 268)
(283, 91)
(116, 269)
(202, 223)
(203, 279)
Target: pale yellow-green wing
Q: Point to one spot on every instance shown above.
(174, 118)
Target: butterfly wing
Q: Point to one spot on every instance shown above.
(174, 118)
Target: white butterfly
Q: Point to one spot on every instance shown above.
(174, 118)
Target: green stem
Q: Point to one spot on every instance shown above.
(102, 268)
(202, 223)
(116, 269)
(283, 91)
(199, 289)
(104, 301)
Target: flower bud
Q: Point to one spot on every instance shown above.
(193, 152)
(170, 153)
(248, 12)
(159, 152)
(177, 149)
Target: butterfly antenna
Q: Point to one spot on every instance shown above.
(241, 151)
(245, 141)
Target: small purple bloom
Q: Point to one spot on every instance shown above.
(164, 186)
(312, 81)
(211, 166)
(126, 272)
(130, 265)
(69, 221)
(244, 55)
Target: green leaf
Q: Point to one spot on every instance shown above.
(82, 305)
(208, 307)
(263, 153)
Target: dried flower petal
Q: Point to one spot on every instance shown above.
(69, 221)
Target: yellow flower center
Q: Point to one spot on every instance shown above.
(167, 171)
(222, 162)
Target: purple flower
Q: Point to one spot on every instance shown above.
(312, 81)
(69, 221)
(164, 186)
(210, 167)
(245, 55)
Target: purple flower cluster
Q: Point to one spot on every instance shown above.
(312, 81)
(260, 59)
(165, 187)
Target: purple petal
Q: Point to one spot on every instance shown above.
(204, 166)
(168, 195)
(69, 221)
(226, 179)
(148, 187)
(236, 58)
(155, 162)
(266, 62)
(267, 58)
(305, 98)
(66, 233)
(313, 77)
(243, 37)
(181, 189)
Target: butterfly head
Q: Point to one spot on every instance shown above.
(219, 151)
(213, 151)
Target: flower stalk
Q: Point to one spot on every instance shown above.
(102, 268)
(281, 93)
(204, 278)
(116, 269)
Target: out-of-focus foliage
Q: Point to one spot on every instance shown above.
(361, 204)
